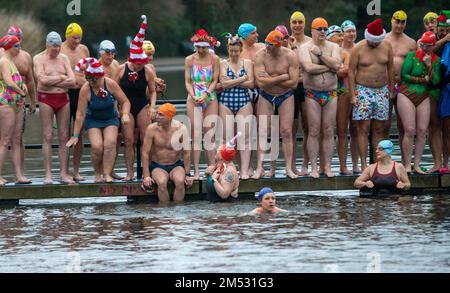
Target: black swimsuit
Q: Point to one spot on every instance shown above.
(385, 181)
(135, 91)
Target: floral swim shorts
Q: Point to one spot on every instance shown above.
(371, 103)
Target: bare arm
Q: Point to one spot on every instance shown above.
(343, 70)
(151, 87)
(69, 82)
(362, 180)
(31, 83)
(81, 110)
(403, 177)
(391, 71)
(225, 189)
(146, 150)
(262, 77)
(42, 78)
(250, 83)
(334, 61)
(212, 86)
(307, 64)
(6, 76)
(294, 72)
(187, 77)
(226, 81)
(354, 58)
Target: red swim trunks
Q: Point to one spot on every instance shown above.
(56, 101)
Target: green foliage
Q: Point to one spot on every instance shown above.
(172, 22)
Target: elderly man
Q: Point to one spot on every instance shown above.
(320, 61)
(276, 71)
(371, 86)
(164, 142)
(55, 76)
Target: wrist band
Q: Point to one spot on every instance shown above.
(76, 135)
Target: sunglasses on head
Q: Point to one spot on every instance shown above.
(321, 29)
(110, 51)
(17, 46)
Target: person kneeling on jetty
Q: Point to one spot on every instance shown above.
(386, 174)
(223, 178)
(163, 143)
(267, 200)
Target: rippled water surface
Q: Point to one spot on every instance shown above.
(335, 232)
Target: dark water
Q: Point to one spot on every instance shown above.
(327, 232)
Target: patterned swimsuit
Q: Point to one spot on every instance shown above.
(8, 97)
(202, 78)
(237, 97)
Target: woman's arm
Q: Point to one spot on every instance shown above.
(250, 83)
(6, 76)
(120, 96)
(212, 86)
(363, 180)
(226, 81)
(225, 189)
(187, 77)
(151, 87)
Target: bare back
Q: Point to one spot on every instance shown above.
(401, 46)
(372, 64)
(250, 52)
(23, 63)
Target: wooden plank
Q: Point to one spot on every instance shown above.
(39, 191)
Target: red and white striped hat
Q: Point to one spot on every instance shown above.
(94, 68)
(137, 54)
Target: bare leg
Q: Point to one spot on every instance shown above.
(264, 114)
(446, 123)
(96, 138)
(109, 152)
(435, 134)
(245, 122)
(378, 133)
(304, 120)
(328, 122)
(17, 149)
(407, 111)
(401, 129)
(286, 121)
(354, 147)
(294, 148)
(314, 128)
(209, 130)
(46, 116)
(128, 134)
(423, 121)
(7, 121)
(62, 118)
(178, 177)
(161, 178)
(342, 123)
(77, 155)
(363, 128)
(196, 118)
(118, 144)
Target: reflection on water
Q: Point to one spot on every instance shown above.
(321, 233)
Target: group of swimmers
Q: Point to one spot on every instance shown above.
(325, 80)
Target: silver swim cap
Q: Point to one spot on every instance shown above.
(107, 46)
(54, 39)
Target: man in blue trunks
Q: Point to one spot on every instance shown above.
(276, 71)
(163, 143)
(320, 60)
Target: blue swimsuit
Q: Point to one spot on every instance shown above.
(237, 97)
(101, 112)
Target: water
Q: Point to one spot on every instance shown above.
(326, 232)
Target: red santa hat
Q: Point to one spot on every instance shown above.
(203, 39)
(428, 38)
(137, 54)
(94, 67)
(375, 32)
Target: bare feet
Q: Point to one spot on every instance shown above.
(259, 174)
(419, 171)
(329, 173)
(78, 178)
(315, 174)
(291, 174)
(196, 176)
(244, 177)
(346, 172)
(48, 181)
(117, 177)
(23, 180)
(271, 173)
(129, 178)
(433, 170)
(108, 179)
(304, 171)
(3, 180)
(251, 172)
(67, 180)
(356, 171)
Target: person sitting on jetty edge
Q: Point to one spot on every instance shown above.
(162, 148)
(223, 178)
(386, 174)
(268, 201)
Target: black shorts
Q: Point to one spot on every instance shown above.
(299, 97)
(73, 96)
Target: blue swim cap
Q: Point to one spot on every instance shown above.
(245, 30)
(348, 25)
(332, 30)
(263, 192)
(387, 146)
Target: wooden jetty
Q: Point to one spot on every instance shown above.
(12, 194)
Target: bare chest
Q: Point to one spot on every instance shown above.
(276, 66)
(165, 140)
(379, 57)
(74, 55)
(54, 67)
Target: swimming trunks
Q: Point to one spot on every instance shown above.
(322, 98)
(277, 100)
(55, 100)
(254, 95)
(167, 168)
(371, 103)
